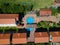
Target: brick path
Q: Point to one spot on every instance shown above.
(50, 18)
(31, 38)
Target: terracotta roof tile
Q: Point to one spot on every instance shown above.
(41, 34)
(55, 36)
(8, 15)
(19, 35)
(4, 36)
(44, 12)
(4, 39)
(41, 37)
(19, 38)
(7, 21)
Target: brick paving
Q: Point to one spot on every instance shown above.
(50, 18)
(31, 38)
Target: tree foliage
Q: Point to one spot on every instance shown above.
(54, 11)
(47, 24)
(9, 6)
(8, 28)
(58, 9)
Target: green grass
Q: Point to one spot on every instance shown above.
(43, 24)
(7, 28)
(37, 3)
(47, 24)
(42, 3)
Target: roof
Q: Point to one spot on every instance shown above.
(8, 15)
(19, 35)
(44, 12)
(4, 39)
(41, 34)
(4, 36)
(19, 38)
(55, 36)
(7, 21)
(41, 37)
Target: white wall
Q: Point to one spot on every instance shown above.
(7, 25)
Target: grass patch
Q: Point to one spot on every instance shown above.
(42, 3)
(37, 3)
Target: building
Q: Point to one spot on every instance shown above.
(4, 39)
(8, 16)
(19, 38)
(41, 37)
(55, 36)
(45, 12)
(7, 22)
(8, 19)
(56, 2)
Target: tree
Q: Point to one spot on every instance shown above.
(18, 8)
(11, 7)
(7, 7)
(45, 24)
(38, 25)
(58, 9)
(54, 11)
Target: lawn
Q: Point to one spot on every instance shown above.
(42, 3)
(37, 3)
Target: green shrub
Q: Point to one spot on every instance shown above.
(54, 11)
(11, 6)
(58, 9)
